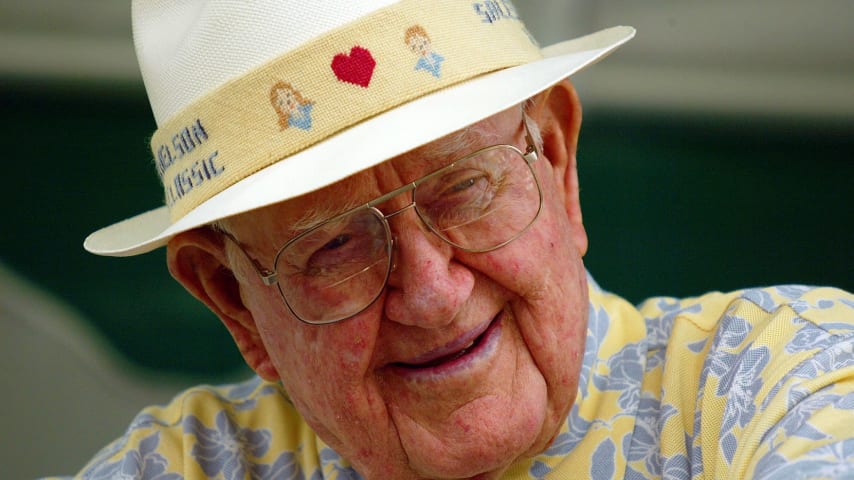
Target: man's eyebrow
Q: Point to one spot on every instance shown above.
(459, 143)
(318, 214)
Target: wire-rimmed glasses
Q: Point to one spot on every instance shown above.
(340, 267)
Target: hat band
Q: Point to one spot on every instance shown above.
(385, 59)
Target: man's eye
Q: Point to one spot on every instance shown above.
(331, 256)
(464, 184)
(460, 186)
(336, 242)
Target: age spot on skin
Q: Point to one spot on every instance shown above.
(464, 426)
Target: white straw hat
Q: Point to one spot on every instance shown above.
(258, 102)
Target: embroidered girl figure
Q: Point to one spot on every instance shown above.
(292, 108)
(419, 42)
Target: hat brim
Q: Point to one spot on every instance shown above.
(366, 144)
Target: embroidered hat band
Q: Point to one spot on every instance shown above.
(378, 62)
(259, 102)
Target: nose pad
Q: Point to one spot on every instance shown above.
(393, 253)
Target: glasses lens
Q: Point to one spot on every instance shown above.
(336, 270)
(483, 202)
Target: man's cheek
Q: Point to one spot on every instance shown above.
(311, 385)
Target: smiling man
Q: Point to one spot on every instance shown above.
(405, 274)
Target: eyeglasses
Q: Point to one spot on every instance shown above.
(339, 268)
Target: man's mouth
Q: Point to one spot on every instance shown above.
(447, 358)
(466, 349)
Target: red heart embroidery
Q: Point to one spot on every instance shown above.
(357, 68)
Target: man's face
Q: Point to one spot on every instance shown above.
(466, 362)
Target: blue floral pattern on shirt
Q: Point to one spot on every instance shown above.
(143, 463)
(226, 448)
(648, 406)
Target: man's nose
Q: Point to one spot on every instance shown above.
(427, 287)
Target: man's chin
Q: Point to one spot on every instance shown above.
(480, 441)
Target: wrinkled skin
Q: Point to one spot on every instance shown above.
(471, 417)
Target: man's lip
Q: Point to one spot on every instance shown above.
(450, 351)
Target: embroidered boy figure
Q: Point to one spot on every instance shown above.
(292, 108)
(419, 42)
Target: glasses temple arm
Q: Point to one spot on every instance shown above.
(531, 150)
(268, 277)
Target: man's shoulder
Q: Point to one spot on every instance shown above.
(755, 343)
(216, 426)
(825, 308)
(243, 395)
(753, 368)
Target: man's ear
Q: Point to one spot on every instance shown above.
(198, 261)
(557, 112)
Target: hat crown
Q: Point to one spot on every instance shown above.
(187, 48)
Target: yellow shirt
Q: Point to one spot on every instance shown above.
(751, 384)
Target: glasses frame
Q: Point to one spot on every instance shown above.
(270, 277)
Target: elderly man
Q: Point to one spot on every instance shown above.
(403, 270)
